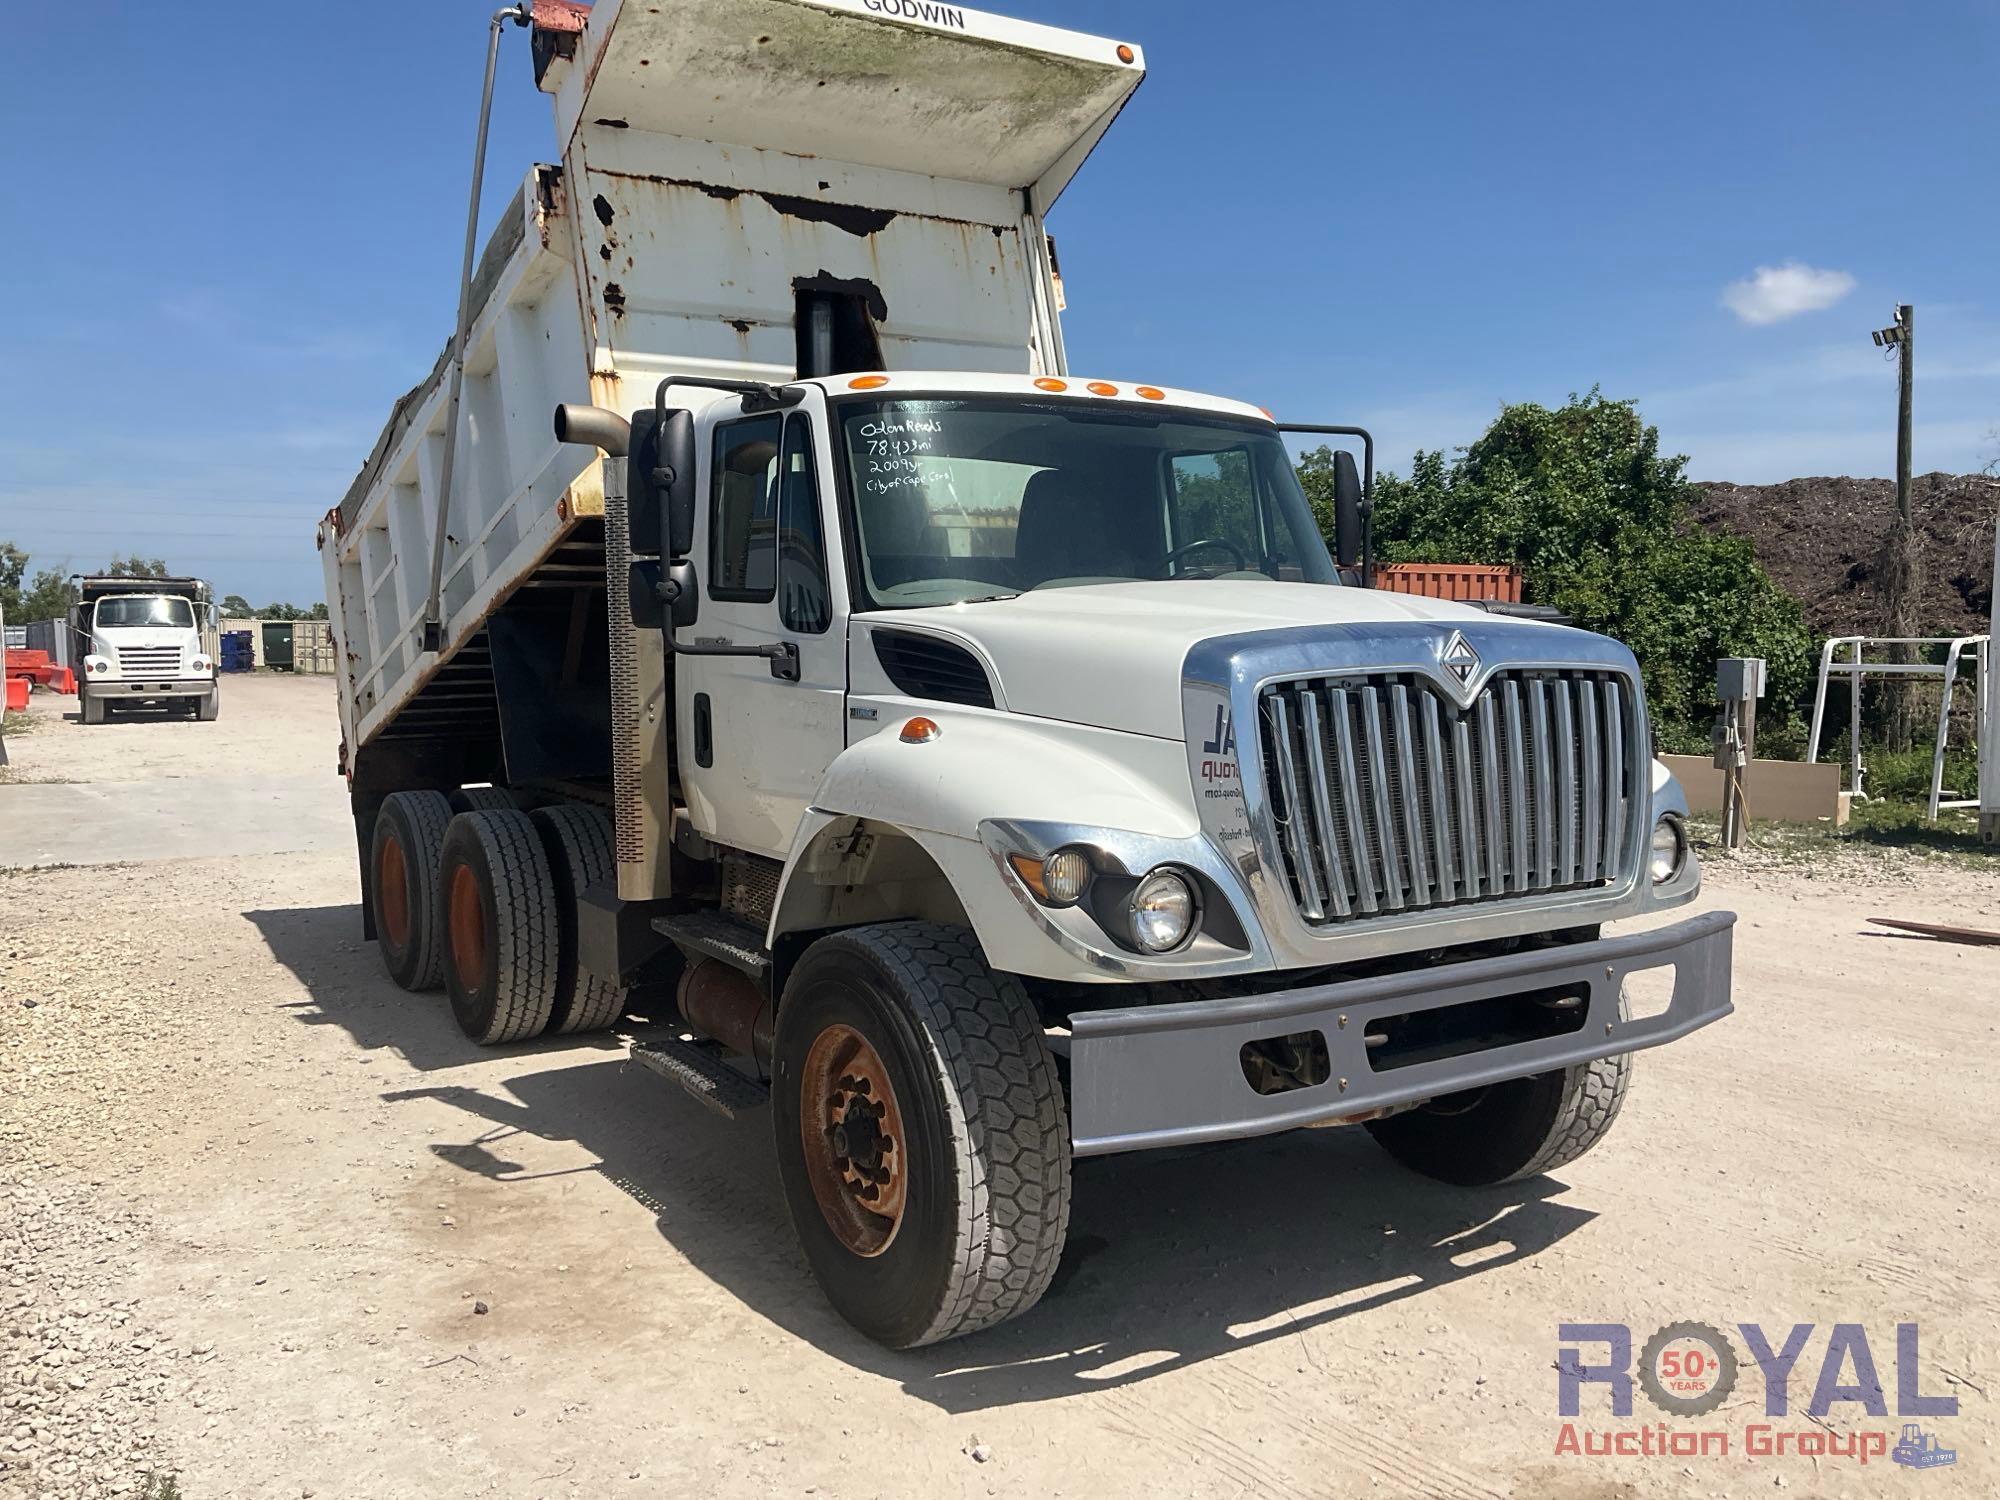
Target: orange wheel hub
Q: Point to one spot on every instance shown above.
(468, 928)
(392, 880)
(855, 1148)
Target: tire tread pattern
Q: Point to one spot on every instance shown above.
(426, 815)
(582, 838)
(1593, 1094)
(1009, 1124)
(526, 937)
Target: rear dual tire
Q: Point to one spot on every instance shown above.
(581, 853)
(472, 894)
(497, 921)
(403, 866)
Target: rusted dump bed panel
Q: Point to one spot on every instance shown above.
(720, 159)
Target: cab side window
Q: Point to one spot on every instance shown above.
(802, 592)
(743, 515)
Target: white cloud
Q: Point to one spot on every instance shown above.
(1779, 292)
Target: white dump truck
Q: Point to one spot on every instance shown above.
(969, 764)
(148, 643)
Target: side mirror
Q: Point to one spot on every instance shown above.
(649, 610)
(1346, 510)
(659, 483)
(662, 595)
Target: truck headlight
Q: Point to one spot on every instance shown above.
(96, 665)
(1162, 911)
(200, 666)
(1669, 850)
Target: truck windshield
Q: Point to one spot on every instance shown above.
(971, 498)
(143, 609)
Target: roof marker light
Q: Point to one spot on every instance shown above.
(867, 382)
(1125, 52)
(1151, 392)
(1101, 388)
(1050, 383)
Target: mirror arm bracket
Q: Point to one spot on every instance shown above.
(670, 591)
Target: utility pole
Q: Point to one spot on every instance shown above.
(1906, 320)
(1900, 583)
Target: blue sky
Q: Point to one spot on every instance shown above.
(232, 238)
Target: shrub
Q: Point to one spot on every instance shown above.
(1581, 500)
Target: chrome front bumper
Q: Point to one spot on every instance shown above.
(1171, 1075)
(151, 687)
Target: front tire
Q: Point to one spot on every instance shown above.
(93, 709)
(921, 1133)
(1510, 1131)
(208, 707)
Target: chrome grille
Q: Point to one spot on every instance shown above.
(1387, 797)
(149, 661)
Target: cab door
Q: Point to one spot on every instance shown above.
(754, 743)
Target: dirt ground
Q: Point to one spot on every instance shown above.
(269, 1226)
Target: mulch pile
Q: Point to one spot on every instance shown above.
(1821, 539)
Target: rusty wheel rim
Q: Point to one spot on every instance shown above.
(856, 1151)
(468, 928)
(392, 879)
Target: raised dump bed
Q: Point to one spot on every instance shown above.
(747, 187)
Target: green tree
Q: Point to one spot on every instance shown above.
(1316, 479)
(136, 567)
(13, 566)
(1581, 499)
(47, 598)
(236, 607)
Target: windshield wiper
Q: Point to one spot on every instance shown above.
(989, 598)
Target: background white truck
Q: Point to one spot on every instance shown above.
(145, 643)
(983, 765)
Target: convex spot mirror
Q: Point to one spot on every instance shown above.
(662, 593)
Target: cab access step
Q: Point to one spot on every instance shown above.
(705, 1072)
(724, 999)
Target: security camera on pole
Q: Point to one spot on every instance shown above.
(1900, 585)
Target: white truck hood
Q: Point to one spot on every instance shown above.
(1110, 655)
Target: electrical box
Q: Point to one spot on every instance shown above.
(1739, 677)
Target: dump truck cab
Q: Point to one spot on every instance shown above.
(965, 764)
